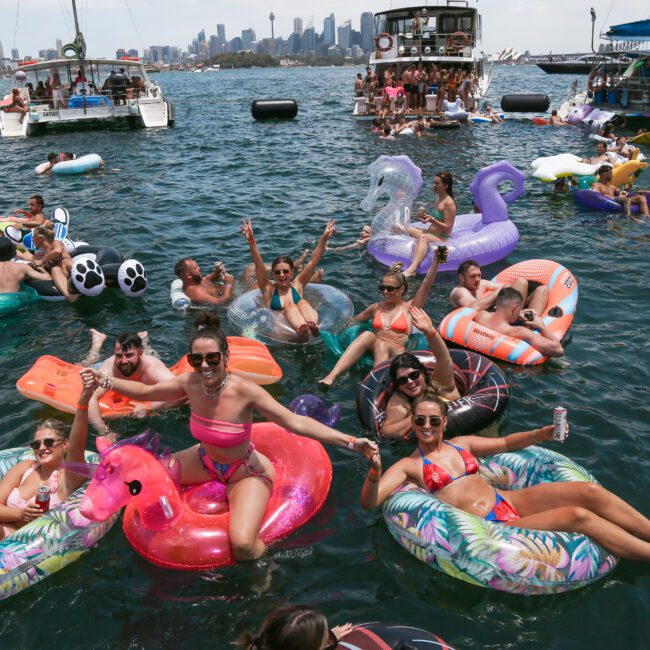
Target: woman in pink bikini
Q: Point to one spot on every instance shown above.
(222, 408)
(52, 445)
(391, 321)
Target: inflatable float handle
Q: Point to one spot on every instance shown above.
(485, 190)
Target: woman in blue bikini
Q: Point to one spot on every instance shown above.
(286, 292)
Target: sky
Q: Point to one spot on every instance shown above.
(536, 25)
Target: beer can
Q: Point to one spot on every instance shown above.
(559, 423)
(43, 498)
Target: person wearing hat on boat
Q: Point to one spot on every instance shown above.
(604, 186)
(33, 216)
(204, 289)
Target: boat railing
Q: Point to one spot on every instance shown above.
(409, 44)
(622, 90)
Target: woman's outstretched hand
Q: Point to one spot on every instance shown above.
(247, 230)
(422, 321)
(330, 229)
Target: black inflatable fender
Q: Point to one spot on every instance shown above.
(107, 257)
(285, 109)
(525, 103)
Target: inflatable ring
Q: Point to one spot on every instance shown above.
(46, 544)
(383, 636)
(492, 555)
(593, 200)
(454, 110)
(460, 328)
(597, 79)
(12, 302)
(458, 40)
(248, 315)
(70, 47)
(384, 36)
(481, 383)
(88, 163)
(188, 528)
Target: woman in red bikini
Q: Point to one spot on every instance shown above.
(222, 408)
(391, 321)
(449, 469)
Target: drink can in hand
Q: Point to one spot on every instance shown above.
(43, 498)
(442, 252)
(560, 423)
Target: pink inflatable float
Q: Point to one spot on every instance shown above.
(186, 527)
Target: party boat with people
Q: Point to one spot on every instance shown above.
(445, 33)
(76, 89)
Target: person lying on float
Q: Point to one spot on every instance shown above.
(204, 289)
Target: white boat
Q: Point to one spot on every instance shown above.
(449, 36)
(88, 93)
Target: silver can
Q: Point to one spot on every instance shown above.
(560, 423)
(43, 498)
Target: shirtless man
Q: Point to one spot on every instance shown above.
(203, 289)
(12, 273)
(604, 186)
(474, 292)
(33, 216)
(508, 318)
(128, 362)
(358, 86)
(556, 120)
(602, 156)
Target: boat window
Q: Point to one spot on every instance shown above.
(429, 24)
(380, 24)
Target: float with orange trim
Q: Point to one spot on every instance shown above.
(459, 326)
(57, 383)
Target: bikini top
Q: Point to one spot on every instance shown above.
(400, 325)
(276, 303)
(14, 500)
(218, 432)
(436, 477)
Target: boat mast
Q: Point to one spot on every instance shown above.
(593, 26)
(79, 37)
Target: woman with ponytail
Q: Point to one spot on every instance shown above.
(441, 223)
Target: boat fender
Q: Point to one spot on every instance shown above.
(286, 109)
(525, 103)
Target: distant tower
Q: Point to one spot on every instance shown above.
(272, 18)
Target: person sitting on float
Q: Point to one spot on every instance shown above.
(222, 407)
(204, 289)
(441, 224)
(52, 445)
(409, 378)
(13, 273)
(604, 186)
(294, 627)
(509, 318)
(17, 105)
(476, 293)
(286, 292)
(449, 469)
(602, 157)
(391, 321)
(33, 216)
(556, 120)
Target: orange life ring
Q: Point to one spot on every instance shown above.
(595, 74)
(381, 37)
(458, 39)
(129, 58)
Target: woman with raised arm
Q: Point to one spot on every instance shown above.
(285, 293)
(449, 470)
(222, 407)
(391, 321)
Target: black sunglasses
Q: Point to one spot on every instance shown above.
(412, 376)
(388, 287)
(421, 420)
(281, 271)
(211, 358)
(332, 641)
(48, 442)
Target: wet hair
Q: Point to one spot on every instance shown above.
(604, 168)
(128, 340)
(208, 326)
(507, 296)
(554, 112)
(56, 425)
(466, 266)
(179, 267)
(429, 395)
(293, 627)
(51, 157)
(282, 259)
(387, 130)
(395, 271)
(39, 199)
(46, 230)
(7, 249)
(448, 181)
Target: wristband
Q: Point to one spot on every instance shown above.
(351, 441)
(374, 475)
(228, 286)
(82, 407)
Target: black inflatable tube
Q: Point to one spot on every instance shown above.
(481, 383)
(523, 103)
(284, 109)
(378, 636)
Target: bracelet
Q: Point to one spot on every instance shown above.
(228, 286)
(374, 480)
(82, 407)
(532, 436)
(374, 474)
(351, 441)
(107, 381)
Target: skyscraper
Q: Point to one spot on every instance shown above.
(272, 18)
(59, 47)
(308, 40)
(201, 36)
(221, 33)
(329, 30)
(345, 34)
(2, 52)
(367, 26)
(297, 26)
(247, 37)
(14, 54)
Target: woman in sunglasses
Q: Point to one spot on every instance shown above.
(285, 293)
(52, 445)
(391, 321)
(409, 378)
(449, 470)
(222, 407)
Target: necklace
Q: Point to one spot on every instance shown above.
(211, 393)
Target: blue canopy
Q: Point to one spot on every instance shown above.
(636, 31)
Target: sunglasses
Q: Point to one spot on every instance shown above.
(211, 358)
(48, 442)
(388, 287)
(281, 271)
(421, 420)
(332, 641)
(412, 376)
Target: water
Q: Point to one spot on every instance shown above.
(182, 192)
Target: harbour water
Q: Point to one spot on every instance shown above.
(172, 193)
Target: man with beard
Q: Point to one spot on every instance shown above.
(204, 289)
(128, 362)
